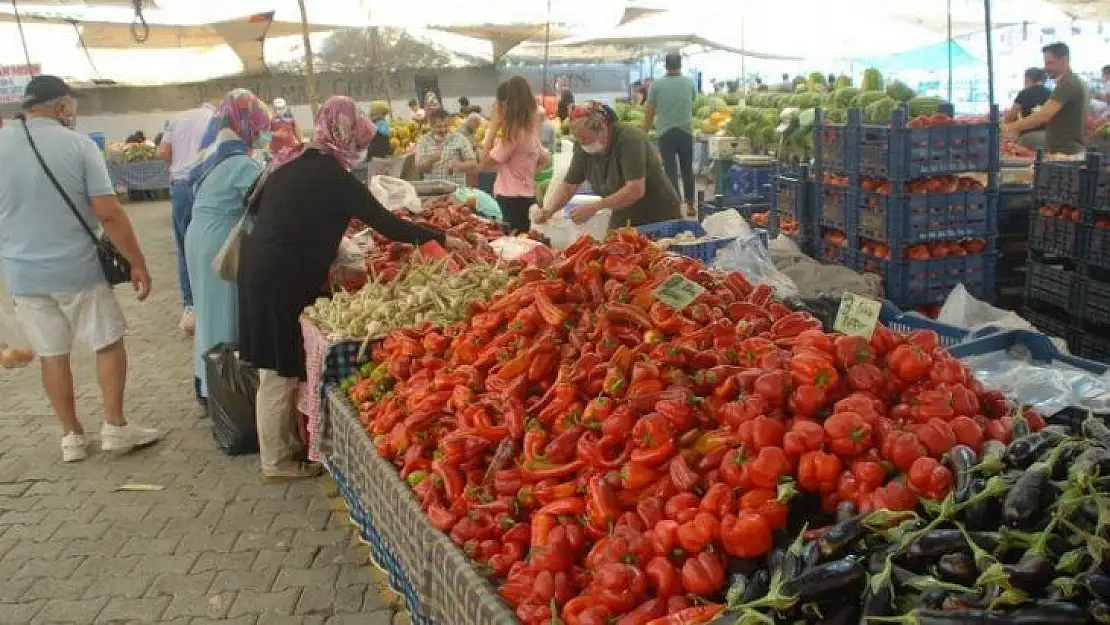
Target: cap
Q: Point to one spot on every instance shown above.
(44, 88)
(279, 103)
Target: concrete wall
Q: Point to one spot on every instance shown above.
(118, 111)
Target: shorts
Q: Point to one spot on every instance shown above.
(51, 322)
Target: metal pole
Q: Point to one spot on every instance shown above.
(990, 52)
(22, 37)
(546, 51)
(310, 75)
(949, 44)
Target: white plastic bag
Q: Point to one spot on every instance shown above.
(15, 352)
(727, 223)
(963, 310)
(563, 232)
(749, 256)
(513, 248)
(396, 194)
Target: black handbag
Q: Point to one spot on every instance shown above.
(115, 267)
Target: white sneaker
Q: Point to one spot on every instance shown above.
(188, 323)
(124, 438)
(74, 447)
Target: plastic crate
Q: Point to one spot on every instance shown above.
(1054, 286)
(911, 283)
(836, 147)
(1060, 182)
(833, 204)
(1015, 206)
(1046, 322)
(794, 197)
(1035, 346)
(909, 219)
(834, 254)
(1099, 192)
(1052, 235)
(1096, 246)
(804, 233)
(754, 181)
(892, 317)
(898, 152)
(1094, 348)
(1096, 302)
(704, 251)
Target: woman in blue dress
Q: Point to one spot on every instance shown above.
(221, 181)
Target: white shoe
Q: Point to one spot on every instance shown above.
(188, 323)
(124, 438)
(74, 447)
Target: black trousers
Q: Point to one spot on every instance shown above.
(676, 148)
(514, 211)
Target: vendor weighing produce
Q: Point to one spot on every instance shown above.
(621, 166)
(1062, 114)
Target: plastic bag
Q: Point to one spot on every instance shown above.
(1047, 387)
(727, 223)
(484, 203)
(749, 256)
(396, 194)
(232, 385)
(562, 232)
(963, 310)
(15, 351)
(513, 248)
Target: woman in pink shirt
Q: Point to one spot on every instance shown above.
(512, 147)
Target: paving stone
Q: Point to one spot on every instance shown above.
(72, 611)
(254, 602)
(60, 568)
(214, 606)
(243, 580)
(328, 601)
(177, 584)
(128, 586)
(120, 609)
(49, 588)
(20, 612)
(150, 546)
(304, 578)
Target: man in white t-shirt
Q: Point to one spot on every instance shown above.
(180, 148)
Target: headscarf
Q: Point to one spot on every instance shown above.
(342, 131)
(234, 129)
(592, 115)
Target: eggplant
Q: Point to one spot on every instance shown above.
(984, 514)
(959, 601)
(933, 598)
(1032, 573)
(1025, 499)
(811, 555)
(845, 510)
(737, 586)
(774, 560)
(758, 586)
(1094, 429)
(1094, 460)
(1098, 611)
(1024, 451)
(958, 568)
(843, 575)
(961, 617)
(847, 614)
(878, 603)
(1069, 453)
(962, 458)
(935, 543)
(1096, 583)
(1049, 613)
(839, 537)
(1020, 428)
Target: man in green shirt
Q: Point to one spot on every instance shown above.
(670, 108)
(1062, 115)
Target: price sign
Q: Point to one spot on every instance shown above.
(857, 315)
(677, 292)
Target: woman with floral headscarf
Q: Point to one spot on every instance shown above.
(224, 174)
(621, 165)
(298, 214)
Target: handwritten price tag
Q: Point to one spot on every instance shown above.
(677, 292)
(857, 315)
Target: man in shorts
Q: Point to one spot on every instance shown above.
(50, 263)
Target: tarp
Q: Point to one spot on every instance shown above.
(245, 35)
(1096, 10)
(933, 56)
(505, 37)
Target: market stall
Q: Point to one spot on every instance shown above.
(136, 167)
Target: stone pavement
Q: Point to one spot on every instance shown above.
(214, 545)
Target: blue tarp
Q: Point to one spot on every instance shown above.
(934, 57)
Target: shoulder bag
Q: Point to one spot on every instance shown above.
(226, 262)
(115, 267)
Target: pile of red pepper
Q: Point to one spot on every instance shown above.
(604, 454)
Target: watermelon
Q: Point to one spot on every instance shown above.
(872, 80)
(900, 91)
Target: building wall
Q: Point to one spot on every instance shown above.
(118, 111)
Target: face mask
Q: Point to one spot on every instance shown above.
(594, 148)
(263, 140)
(66, 117)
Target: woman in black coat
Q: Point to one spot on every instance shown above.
(301, 208)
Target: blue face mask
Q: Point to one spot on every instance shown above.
(264, 138)
(382, 127)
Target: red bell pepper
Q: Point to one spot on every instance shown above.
(703, 574)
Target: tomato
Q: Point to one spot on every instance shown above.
(703, 574)
(853, 350)
(746, 535)
(929, 478)
(848, 434)
(818, 471)
(936, 436)
(910, 362)
(902, 449)
(807, 400)
(811, 368)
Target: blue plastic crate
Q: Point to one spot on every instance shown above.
(1053, 235)
(911, 283)
(1095, 246)
(1095, 303)
(747, 181)
(1049, 324)
(910, 219)
(794, 196)
(1037, 346)
(1054, 286)
(704, 251)
(835, 147)
(892, 317)
(898, 152)
(1059, 182)
(832, 205)
(834, 254)
(1015, 208)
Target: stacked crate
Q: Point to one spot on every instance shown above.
(1067, 291)
(1015, 210)
(792, 214)
(874, 213)
(740, 183)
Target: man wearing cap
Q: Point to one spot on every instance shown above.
(180, 148)
(50, 262)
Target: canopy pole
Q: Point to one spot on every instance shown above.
(949, 42)
(310, 75)
(22, 36)
(546, 52)
(744, 56)
(990, 52)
